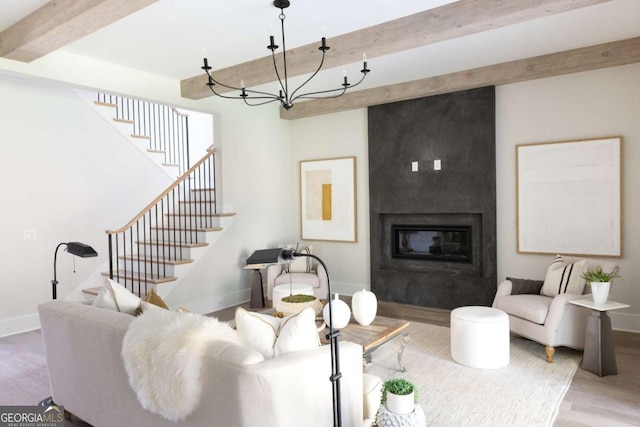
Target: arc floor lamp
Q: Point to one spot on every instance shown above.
(74, 248)
(283, 256)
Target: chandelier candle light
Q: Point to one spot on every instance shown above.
(285, 96)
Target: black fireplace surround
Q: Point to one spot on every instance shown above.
(459, 130)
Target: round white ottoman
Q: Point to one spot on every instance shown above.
(480, 337)
(282, 291)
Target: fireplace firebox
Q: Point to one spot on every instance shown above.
(432, 243)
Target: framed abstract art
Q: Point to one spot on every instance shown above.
(328, 199)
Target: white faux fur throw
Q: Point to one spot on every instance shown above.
(162, 353)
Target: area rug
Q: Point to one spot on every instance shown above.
(527, 392)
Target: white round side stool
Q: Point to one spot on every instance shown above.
(480, 337)
(282, 291)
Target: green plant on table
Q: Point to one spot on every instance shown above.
(398, 386)
(599, 275)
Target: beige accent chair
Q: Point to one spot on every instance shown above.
(304, 270)
(551, 321)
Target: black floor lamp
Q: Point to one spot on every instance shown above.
(74, 248)
(282, 256)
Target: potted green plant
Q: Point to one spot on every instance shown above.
(399, 396)
(600, 282)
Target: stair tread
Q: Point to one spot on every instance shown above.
(157, 260)
(105, 104)
(171, 164)
(92, 291)
(156, 151)
(202, 189)
(148, 278)
(169, 243)
(123, 121)
(133, 135)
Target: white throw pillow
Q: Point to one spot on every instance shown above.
(114, 296)
(257, 331)
(297, 332)
(564, 278)
(273, 336)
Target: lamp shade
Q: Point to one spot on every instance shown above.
(81, 250)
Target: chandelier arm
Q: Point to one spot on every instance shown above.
(221, 84)
(269, 96)
(260, 103)
(293, 95)
(341, 90)
(275, 67)
(310, 95)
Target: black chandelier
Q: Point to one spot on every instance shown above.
(285, 96)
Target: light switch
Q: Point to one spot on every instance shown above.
(437, 165)
(30, 234)
(414, 166)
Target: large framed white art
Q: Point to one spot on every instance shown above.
(569, 197)
(328, 199)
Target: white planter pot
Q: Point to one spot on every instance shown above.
(340, 313)
(364, 305)
(400, 403)
(600, 291)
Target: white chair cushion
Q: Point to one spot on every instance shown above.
(304, 278)
(531, 307)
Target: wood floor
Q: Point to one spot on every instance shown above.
(612, 401)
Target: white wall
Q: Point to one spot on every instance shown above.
(331, 136)
(584, 105)
(40, 147)
(68, 175)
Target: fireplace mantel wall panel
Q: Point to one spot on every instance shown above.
(458, 129)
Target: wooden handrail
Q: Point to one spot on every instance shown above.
(175, 110)
(163, 194)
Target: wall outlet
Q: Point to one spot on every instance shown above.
(414, 166)
(437, 165)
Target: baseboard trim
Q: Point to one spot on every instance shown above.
(218, 302)
(625, 322)
(18, 325)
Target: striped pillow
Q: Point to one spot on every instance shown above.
(301, 264)
(563, 278)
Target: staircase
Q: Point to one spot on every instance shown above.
(161, 243)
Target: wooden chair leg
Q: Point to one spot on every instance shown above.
(550, 351)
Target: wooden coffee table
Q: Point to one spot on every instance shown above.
(371, 337)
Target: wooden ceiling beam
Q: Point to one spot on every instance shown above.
(458, 19)
(605, 55)
(61, 22)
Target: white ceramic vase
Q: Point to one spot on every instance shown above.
(364, 305)
(400, 403)
(340, 312)
(600, 291)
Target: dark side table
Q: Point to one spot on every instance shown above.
(257, 291)
(599, 353)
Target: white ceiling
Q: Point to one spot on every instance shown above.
(168, 37)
